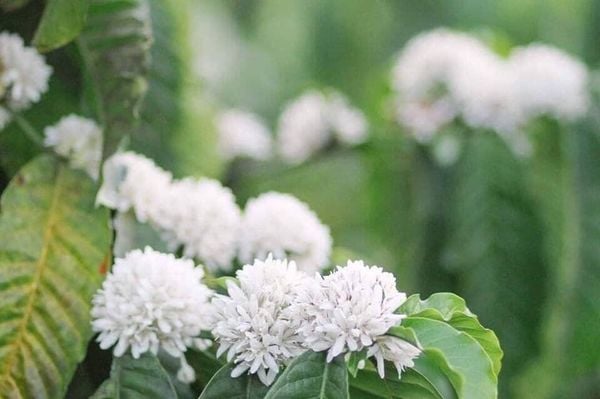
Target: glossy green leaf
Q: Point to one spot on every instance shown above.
(222, 385)
(412, 385)
(452, 309)
(55, 245)
(142, 378)
(115, 50)
(311, 376)
(466, 363)
(61, 22)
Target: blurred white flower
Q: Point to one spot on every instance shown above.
(79, 140)
(486, 95)
(348, 123)
(132, 181)
(5, 117)
(24, 73)
(286, 227)
(152, 301)
(202, 216)
(395, 350)
(550, 81)
(303, 128)
(243, 134)
(423, 77)
(310, 122)
(349, 309)
(254, 325)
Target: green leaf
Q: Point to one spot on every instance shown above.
(61, 22)
(222, 385)
(311, 376)
(141, 378)
(115, 49)
(131, 234)
(55, 245)
(495, 248)
(176, 126)
(466, 364)
(412, 385)
(453, 310)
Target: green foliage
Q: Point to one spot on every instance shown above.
(495, 246)
(569, 364)
(311, 376)
(176, 128)
(222, 385)
(115, 49)
(61, 22)
(456, 343)
(55, 246)
(413, 385)
(139, 378)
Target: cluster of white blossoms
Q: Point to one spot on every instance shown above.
(313, 120)
(243, 134)
(79, 140)
(352, 309)
(199, 215)
(276, 313)
(150, 302)
(441, 75)
(282, 225)
(24, 76)
(254, 325)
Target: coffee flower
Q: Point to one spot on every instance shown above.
(350, 310)
(284, 226)
(254, 325)
(152, 301)
(24, 75)
(79, 140)
(243, 134)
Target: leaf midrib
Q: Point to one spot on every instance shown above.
(35, 286)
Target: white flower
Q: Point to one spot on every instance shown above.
(349, 309)
(24, 73)
(286, 227)
(303, 128)
(5, 117)
(132, 181)
(395, 350)
(202, 216)
(243, 134)
(313, 120)
(348, 123)
(152, 301)
(78, 139)
(550, 81)
(254, 325)
(425, 75)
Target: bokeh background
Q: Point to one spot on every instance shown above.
(493, 228)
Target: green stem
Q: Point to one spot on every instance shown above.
(28, 129)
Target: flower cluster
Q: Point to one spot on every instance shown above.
(284, 226)
(78, 139)
(152, 301)
(277, 313)
(199, 215)
(202, 217)
(243, 134)
(254, 325)
(24, 76)
(315, 118)
(441, 75)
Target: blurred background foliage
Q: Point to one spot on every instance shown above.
(519, 239)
